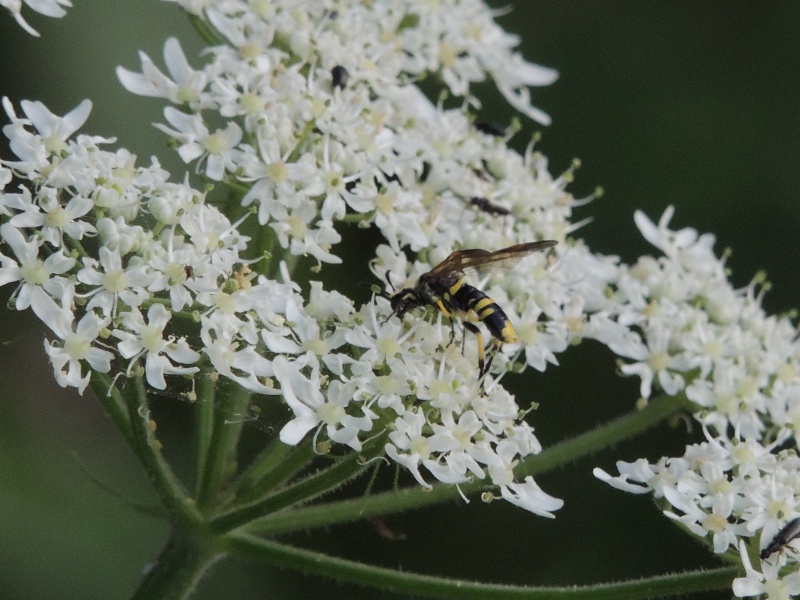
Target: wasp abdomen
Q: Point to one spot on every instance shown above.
(487, 310)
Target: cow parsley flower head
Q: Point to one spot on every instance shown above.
(311, 127)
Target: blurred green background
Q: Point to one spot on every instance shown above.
(685, 103)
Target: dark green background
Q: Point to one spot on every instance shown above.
(685, 103)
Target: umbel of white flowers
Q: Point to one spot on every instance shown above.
(108, 253)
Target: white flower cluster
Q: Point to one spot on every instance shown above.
(127, 269)
(685, 330)
(308, 113)
(312, 109)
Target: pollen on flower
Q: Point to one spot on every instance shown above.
(187, 94)
(439, 387)
(77, 346)
(715, 523)
(726, 403)
(115, 281)
(528, 333)
(786, 372)
(175, 273)
(251, 49)
(277, 171)
(659, 361)
(297, 226)
(331, 413)
(226, 303)
(216, 143)
(747, 386)
(251, 103)
(447, 55)
(57, 218)
(722, 486)
(743, 454)
(317, 346)
(34, 272)
(652, 310)
(388, 346)
(54, 144)
(152, 341)
(713, 349)
(384, 203)
(419, 445)
(388, 384)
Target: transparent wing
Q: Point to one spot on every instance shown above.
(483, 261)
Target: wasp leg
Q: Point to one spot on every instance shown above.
(495, 349)
(440, 305)
(481, 354)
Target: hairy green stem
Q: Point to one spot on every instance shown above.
(171, 491)
(177, 570)
(220, 464)
(209, 34)
(303, 491)
(114, 405)
(277, 464)
(439, 587)
(204, 424)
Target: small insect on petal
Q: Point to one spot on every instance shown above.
(487, 206)
(790, 532)
(340, 76)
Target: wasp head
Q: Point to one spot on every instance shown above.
(405, 300)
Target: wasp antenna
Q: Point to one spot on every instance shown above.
(388, 277)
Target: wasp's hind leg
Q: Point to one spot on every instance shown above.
(481, 353)
(496, 344)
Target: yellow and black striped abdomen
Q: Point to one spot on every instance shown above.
(469, 298)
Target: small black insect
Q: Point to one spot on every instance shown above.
(789, 532)
(445, 288)
(340, 76)
(490, 128)
(487, 206)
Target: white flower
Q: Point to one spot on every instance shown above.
(112, 282)
(34, 150)
(197, 141)
(54, 220)
(531, 497)
(33, 272)
(78, 342)
(184, 86)
(767, 582)
(140, 338)
(311, 408)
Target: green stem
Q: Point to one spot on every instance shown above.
(176, 572)
(209, 34)
(439, 587)
(276, 464)
(204, 423)
(171, 491)
(416, 497)
(113, 404)
(605, 436)
(220, 463)
(303, 491)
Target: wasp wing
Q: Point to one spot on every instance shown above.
(462, 261)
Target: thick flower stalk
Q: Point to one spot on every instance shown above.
(303, 124)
